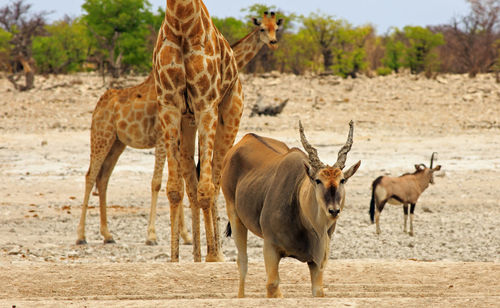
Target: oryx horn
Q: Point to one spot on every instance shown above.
(342, 156)
(314, 161)
(432, 159)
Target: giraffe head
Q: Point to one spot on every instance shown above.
(268, 28)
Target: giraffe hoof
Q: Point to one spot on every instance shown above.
(217, 258)
(109, 241)
(151, 242)
(81, 242)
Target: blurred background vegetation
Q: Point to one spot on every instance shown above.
(116, 37)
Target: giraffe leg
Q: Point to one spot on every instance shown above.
(206, 188)
(228, 124)
(170, 120)
(97, 156)
(186, 238)
(188, 167)
(102, 186)
(160, 156)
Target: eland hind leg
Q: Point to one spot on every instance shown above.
(240, 233)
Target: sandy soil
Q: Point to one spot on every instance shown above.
(453, 259)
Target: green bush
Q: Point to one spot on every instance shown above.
(63, 50)
(420, 55)
(384, 71)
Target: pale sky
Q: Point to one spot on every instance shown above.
(383, 14)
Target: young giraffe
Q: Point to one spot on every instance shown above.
(130, 117)
(191, 54)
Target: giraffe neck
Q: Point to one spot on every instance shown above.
(246, 48)
(185, 11)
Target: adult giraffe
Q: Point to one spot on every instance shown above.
(244, 51)
(129, 117)
(191, 54)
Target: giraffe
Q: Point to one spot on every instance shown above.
(244, 51)
(123, 117)
(191, 54)
(130, 117)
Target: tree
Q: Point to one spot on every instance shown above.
(22, 27)
(5, 49)
(419, 54)
(64, 48)
(120, 30)
(470, 39)
(232, 28)
(324, 30)
(298, 53)
(394, 50)
(349, 50)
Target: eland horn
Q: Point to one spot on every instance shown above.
(314, 161)
(342, 156)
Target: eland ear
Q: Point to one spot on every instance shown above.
(256, 21)
(350, 172)
(309, 171)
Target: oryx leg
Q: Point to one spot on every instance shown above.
(272, 261)
(405, 210)
(102, 186)
(412, 209)
(378, 209)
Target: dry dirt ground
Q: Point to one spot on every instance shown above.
(453, 259)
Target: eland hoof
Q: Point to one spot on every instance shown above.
(109, 241)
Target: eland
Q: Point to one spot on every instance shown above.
(287, 197)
